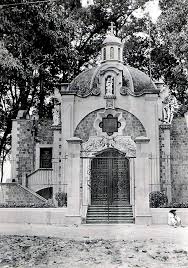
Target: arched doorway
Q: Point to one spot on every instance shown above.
(110, 183)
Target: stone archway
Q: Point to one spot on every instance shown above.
(95, 146)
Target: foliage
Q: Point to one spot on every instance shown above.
(177, 205)
(46, 204)
(172, 30)
(157, 199)
(61, 198)
(161, 49)
(46, 43)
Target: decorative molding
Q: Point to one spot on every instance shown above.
(97, 144)
(142, 139)
(165, 126)
(110, 103)
(96, 91)
(105, 113)
(74, 140)
(109, 97)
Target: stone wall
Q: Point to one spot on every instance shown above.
(133, 127)
(164, 141)
(85, 128)
(179, 159)
(30, 133)
(15, 193)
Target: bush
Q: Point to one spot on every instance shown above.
(178, 205)
(157, 199)
(61, 198)
(47, 204)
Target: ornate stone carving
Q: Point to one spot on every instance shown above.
(125, 86)
(96, 91)
(56, 115)
(96, 144)
(34, 114)
(105, 113)
(109, 103)
(109, 86)
(95, 86)
(170, 108)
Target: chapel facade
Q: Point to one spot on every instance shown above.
(108, 146)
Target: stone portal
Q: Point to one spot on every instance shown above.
(110, 179)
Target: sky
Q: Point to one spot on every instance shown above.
(152, 7)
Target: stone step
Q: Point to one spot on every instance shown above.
(110, 210)
(110, 219)
(96, 221)
(111, 214)
(106, 205)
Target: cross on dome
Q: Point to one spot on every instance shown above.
(112, 28)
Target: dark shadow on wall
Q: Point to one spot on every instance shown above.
(47, 193)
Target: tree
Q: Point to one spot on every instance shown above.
(54, 41)
(173, 32)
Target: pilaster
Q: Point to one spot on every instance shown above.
(73, 173)
(142, 180)
(67, 122)
(165, 165)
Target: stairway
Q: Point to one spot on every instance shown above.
(97, 214)
(14, 194)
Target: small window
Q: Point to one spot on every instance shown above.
(119, 53)
(104, 54)
(45, 157)
(111, 53)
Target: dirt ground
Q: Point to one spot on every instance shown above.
(35, 251)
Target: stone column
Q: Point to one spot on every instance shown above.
(73, 173)
(165, 168)
(142, 180)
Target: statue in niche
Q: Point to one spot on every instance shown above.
(56, 113)
(171, 106)
(109, 86)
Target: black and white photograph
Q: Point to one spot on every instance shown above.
(93, 133)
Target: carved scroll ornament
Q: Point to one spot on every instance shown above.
(95, 144)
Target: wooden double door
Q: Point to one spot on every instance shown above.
(110, 183)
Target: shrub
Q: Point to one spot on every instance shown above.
(47, 204)
(178, 205)
(61, 198)
(157, 199)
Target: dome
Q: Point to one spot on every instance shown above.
(136, 83)
(111, 39)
